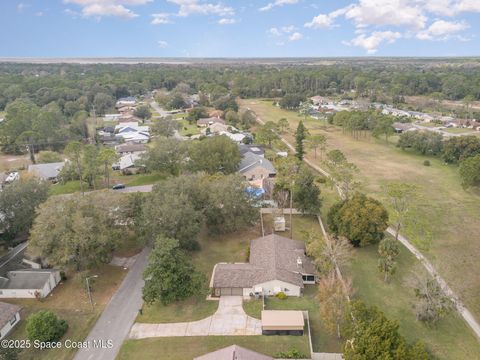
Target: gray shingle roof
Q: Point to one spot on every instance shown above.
(251, 160)
(272, 257)
(234, 352)
(46, 171)
(7, 312)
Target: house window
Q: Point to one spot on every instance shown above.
(308, 277)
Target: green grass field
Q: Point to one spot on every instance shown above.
(187, 129)
(69, 301)
(446, 211)
(186, 348)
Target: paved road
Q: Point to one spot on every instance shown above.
(462, 310)
(229, 320)
(119, 315)
(164, 113)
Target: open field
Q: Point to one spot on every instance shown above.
(13, 162)
(187, 129)
(449, 339)
(448, 214)
(70, 302)
(186, 348)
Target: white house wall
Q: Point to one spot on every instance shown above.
(270, 286)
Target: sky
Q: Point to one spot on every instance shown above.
(249, 28)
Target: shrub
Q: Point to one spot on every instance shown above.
(321, 179)
(281, 295)
(290, 354)
(45, 326)
(426, 163)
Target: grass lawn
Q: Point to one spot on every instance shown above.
(69, 301)
(302, 225)
(186, 348)
(322, 341)
(465, 131)
(449, 213)
(196, 308)
(430, 124)
(450, 339)
(187, 129)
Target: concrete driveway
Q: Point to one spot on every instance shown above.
(229, 319)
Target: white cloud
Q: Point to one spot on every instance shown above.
(227, 21)
(21, 7)
(161, 18)
(191, 7)
(100, 8)
(162, 44)
(288, 29)
(276, 3)
(441, 30)
(372, 42)
(295, 36)
(274, 31)
(39, 13)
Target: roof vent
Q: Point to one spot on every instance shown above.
(299, 261)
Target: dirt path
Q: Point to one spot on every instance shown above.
(462, 310)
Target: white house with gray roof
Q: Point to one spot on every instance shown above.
(276, 264)
(29, 283)
(9, 317)
(47, 172)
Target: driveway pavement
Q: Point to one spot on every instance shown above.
(229, 319)
(119, 315)
(140, 188)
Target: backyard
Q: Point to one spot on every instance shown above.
(442, 205)
(447, 230)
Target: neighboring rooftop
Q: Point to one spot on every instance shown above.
(251, 160)
(46, 171)
(210, 120)
(7, 312)
(234, 352)
(255, 149)
(130, 147)
(272, 257)
(26, 279)
(282, 318)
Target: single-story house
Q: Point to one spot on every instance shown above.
(233, 352)
(255, 167)
(255, 149)
(126, 101)
(29, 283)
(217, 128)
(136, 137)
(130, 148)
(48, 172)
(237, 137)
(402, 127)
(9, 317)
(205, 122)
(127, 163)
(282, 322)
(276, 264)
(111, 117)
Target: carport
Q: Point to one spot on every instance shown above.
(282, 322)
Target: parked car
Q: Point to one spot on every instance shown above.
(118, 186)
(13, 176)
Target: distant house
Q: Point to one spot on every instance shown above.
(9, 317)
(233, 352)
(255, 149)
(256, 167)
(217, 128)
(47, 172)
(127, 163)
(130, 148)
(112, 117)
(205, 122)
(133, 132)
(402, 127)
(276, 264)
(29, 283)
(126, 101)
(237, 137)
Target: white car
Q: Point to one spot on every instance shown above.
(13, 176)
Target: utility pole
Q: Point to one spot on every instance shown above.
(87, 280)
(291, 210)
